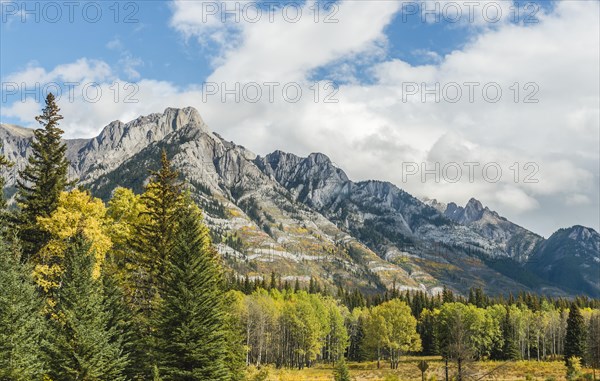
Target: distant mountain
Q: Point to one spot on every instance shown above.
(570, 259)
(303, 216)
(519, 243)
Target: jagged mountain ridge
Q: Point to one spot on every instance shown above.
(518, 242)
(302, 216)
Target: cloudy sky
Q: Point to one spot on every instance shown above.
(449, 100)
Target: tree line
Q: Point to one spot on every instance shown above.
(134, 290)
(459, 331)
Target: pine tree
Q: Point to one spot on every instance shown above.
(82, 344)
(341, 373)
(42, 180)
(21, 322)
(593, 348)
(4, 164)
(427, 331)
(235, 328)
(155, 234)
(447, 295)
(126, 335)
(191, 336)
(576, 334)
(510, 350)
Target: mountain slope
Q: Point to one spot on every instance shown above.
(303, 217)
(570, 259)
(519, 243)
(398, 227)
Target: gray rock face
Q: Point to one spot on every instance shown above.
(313, 180)
(303, 216)
(16, 141)
(119, 141)
(472, 212)
(518, 243)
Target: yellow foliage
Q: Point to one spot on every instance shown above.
(125, 209)
(77, 211)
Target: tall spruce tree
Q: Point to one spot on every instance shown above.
(42, 180)
(593, 347)
(85, 342)
(427, 330)
(155, 234)
(120, 316)
(191, 335)
(575, 338)
(510, 350)
(4, 163)
(21, 321)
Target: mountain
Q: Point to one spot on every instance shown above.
(570, 259)
(519, 243)
(303, 216)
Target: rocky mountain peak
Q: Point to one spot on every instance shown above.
(472, 212)
(154, 126)
(319, 158)
(119, 141)
(585, 236)
(437, 205)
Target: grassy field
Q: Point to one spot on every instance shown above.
(489, 370)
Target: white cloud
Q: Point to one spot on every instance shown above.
(577, 199)
(115, 44)
(279, 48)
(370, 132)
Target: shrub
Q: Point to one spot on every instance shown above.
(262, 375)
(573, 368)
(341, 372)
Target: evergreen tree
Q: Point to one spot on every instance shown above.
(341, 373)
(235, 328)
(83, 344)
(576, 334)
(155, 233)
(273, 284)
(121, 318)
(593, 348)
(447, 295)
(42, 180)
(4, 164)
(191, 335)
(21, 322)
(510, 350)
(427, 330)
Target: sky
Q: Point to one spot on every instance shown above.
(496, 100)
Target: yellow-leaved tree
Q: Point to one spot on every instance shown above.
(77, 211)
(126, 211)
